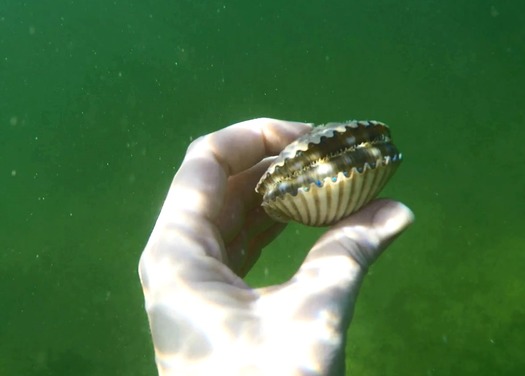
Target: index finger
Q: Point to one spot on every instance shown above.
(242, 145)
(211, 159)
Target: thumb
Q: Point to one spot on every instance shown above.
(363, 236)
(320, 297)
(334, 268)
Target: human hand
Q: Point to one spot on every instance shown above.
(204, 318)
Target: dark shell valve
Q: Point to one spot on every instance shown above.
(329, 173)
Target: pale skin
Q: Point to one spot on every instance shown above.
(204, 319)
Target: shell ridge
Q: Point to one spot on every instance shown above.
(330, 172)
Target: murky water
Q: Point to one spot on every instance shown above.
(98, 101)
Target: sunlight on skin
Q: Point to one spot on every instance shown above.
(204, 319)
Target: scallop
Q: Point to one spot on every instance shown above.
(329, 173)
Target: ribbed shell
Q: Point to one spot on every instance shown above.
(329, 173)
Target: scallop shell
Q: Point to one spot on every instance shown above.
(329, 173)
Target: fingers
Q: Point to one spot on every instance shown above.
(242, 220)
(245, 249)
(198, 192)
(242, 145)
(201, 182)
(240, 200)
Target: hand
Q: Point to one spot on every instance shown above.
(204, 319)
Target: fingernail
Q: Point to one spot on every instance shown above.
(393, 218)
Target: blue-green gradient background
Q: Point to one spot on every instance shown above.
(99, 100)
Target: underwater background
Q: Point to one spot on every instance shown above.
(99, 100)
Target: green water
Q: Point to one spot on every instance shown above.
(99, 99)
